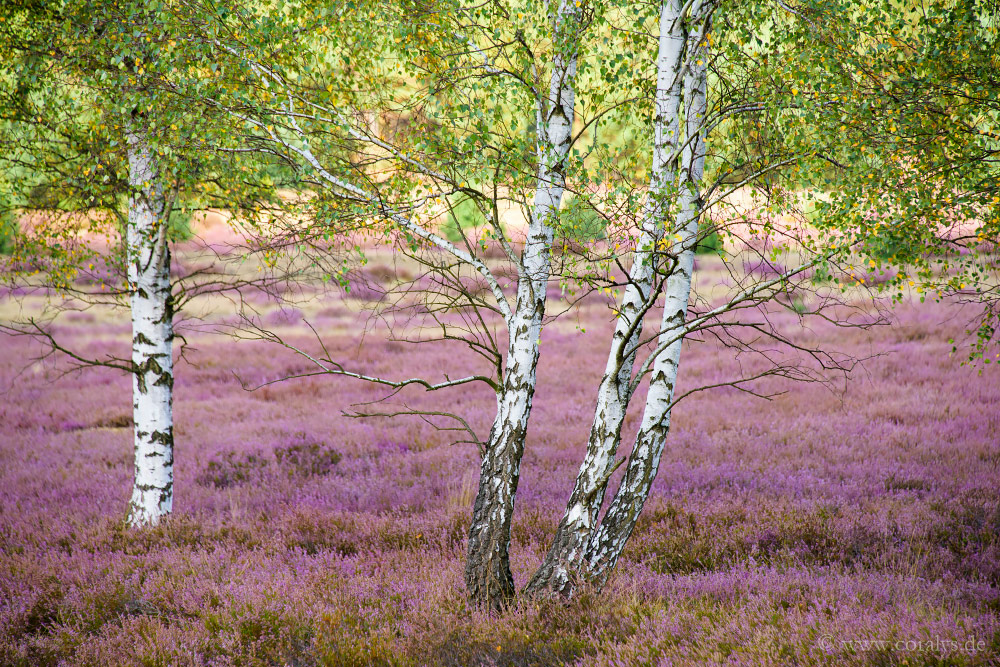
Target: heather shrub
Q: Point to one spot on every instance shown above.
(894, 483)
(301, 537)
(303, 456)
(316, 532)
(232, 468)
(533, 528)
(347, 642)
(764, 268)
(540, 633)
(38, 609)
(183, 531)
(361, 290)
(295, 456)
(459, 650)
(114, 421)
(283, 316)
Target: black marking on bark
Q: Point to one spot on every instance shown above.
(168, 305)
(165, 438)
(164, 380)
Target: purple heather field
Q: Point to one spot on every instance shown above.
(857, 525)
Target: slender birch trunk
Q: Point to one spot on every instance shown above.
(487, 572)
(152, 336)
(561, 566)
(608, 542)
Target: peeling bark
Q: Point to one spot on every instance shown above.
(608, 542)
(560, 569)
(487, 573)
(152, 336)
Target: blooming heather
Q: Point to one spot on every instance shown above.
(857, 526)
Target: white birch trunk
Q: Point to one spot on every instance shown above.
(616, 527)
(487, 573)
(558, 571)
(152, 336)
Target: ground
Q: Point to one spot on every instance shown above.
(854, 524)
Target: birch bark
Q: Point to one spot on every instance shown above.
(152, 335)
(487, 574)
(560, 568)
(609, 540)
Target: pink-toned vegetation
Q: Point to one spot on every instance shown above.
(778, 532)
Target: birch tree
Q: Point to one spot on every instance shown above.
(663, 265)
(487, 570)
(100, 153)
(151, 303)
(36, 132)
(918, 123)
(613, 396)
(605, 547)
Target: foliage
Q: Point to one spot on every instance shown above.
(896, 106)
(463, 217)
(578, 221)
(710, 241)
(80, 78)
(8, 228)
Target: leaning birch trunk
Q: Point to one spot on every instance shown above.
(616, 527)
(559, 570)
(487, 571)
(152, 336)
